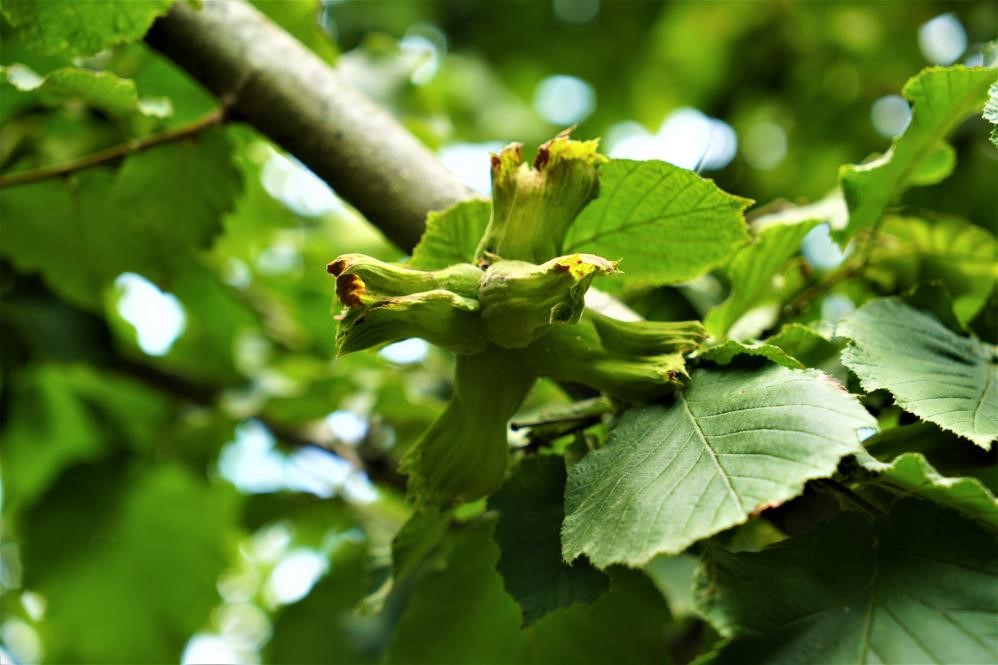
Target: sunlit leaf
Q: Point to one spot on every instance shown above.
(931, 371)
(451, 236)
(666, 223)
(81, 28)
(100, 89)
(941, 98)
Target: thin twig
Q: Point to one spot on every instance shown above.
(212, 119)
(850, 496)
(815, 291)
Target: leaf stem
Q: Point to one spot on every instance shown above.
(210, 120)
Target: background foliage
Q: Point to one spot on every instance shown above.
(188, 471)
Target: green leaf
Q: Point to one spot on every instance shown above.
(462, 615)
(724, 353)
(103, 90)
(914, 587)
(65, 414)
(322, 628)
(530, 502)
(143, 557)
(931, 371)
(752, 269)
(941, 98)
(961, 256)
(68, 27)
(451, 236)
(733, 444)
(911, 473)
(991, 111)
(804, 344)
(668, 224)
(942, 449)
(162, 205)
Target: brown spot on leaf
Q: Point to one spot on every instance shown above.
(349, 289)
(495, 161)
(833, 382)
(762, 507)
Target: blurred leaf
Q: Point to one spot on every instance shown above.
(303, 20)
(941, 98)
(81, 28)
(162, 205)
(530, 502)
(65, 414)
(752, 269)
(144, 559)
(696, 226)
(961, 256)
(323, 627)
(451, 236)
(914, 587)
(931, 371)
(100, 89)
(461, 615)
(734, 444)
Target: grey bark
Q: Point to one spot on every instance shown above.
(284, 90)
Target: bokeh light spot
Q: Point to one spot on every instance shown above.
(158, 317)
(564, 100)
(890, 115)
(575, 11)
(764, 145)
(942, 39)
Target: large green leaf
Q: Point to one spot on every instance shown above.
(961, 256)
(911, 473)
(733, 444)
(451, 236)
(62, 415)
(103, 90)
(666, 223)
(143, 557)
(914, 587)
(70, 27)
(531, 501)
(931, 371)
(752, 269)
(941, 98)
(462, 615)
(149, 217)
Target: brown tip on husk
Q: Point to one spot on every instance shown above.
(349, 289)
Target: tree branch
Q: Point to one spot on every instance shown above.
(115, 152)
(287, 93)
